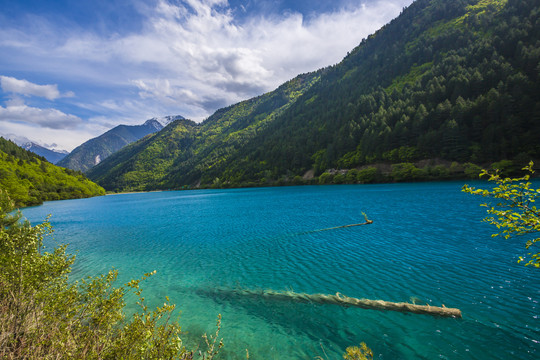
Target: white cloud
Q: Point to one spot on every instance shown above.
(197, 50)
(200, 46)
(47, 118)
(24, 87)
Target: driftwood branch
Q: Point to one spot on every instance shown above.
(346, 226)
(367, 222)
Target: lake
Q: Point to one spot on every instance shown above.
(426, 243)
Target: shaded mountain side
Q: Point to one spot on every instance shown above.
(456, 80)
(52, 156)
(97, 149)
(30, 179)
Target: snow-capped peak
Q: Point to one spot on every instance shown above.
(166, 120)
(154, 123)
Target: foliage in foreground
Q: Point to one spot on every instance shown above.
(514, 211)
(362, 352)
(43, 316)
(358, 353)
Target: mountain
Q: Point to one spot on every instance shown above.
(148, 160)
(186, 150)
(444, 87)
(52, 156)
(30, 179)
(97, 149)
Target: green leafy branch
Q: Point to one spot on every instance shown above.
(513, 210)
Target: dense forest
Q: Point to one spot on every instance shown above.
(30, 179)
(444, 88)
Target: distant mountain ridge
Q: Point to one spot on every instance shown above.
(95, 150)
(52, 156)
(454, 82)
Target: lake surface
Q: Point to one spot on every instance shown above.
(427, 241)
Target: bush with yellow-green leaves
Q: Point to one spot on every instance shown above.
(45, 316)
(511, 207)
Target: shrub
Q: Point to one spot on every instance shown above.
(326, 178)
(405, 172)
(368, 175)
(42, 315)
(358, 353)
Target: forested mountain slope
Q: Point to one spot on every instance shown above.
(95, 150)
(444, 80)
(29, 179)
(454, 80)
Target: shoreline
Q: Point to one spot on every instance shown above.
(133, 192)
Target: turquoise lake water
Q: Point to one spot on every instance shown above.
(427, 241)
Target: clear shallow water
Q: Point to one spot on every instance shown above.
(426, 241)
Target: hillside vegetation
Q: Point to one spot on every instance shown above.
(445, 86)
(30, 179)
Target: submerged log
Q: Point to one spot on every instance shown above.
(342, 300)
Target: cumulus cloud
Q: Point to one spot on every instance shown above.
(24, 87)
(190, 51)
(34, 120)
(202, 47)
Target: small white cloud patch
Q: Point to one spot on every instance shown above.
(27, 88)
(50, 118)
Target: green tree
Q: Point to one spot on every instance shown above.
(513, 210)
(326, 178)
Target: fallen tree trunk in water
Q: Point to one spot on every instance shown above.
(339, 299)
(367, 222)
(345, 226)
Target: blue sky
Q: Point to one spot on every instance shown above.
(72, 69)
